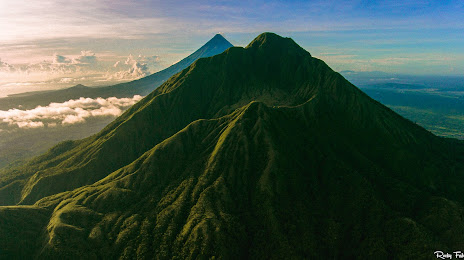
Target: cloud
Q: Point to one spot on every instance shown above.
(134, 68)
(30, 124)
(59, 59)
(69, 67)
(67, 80)
(137, 70)
(71, 112)
(5, 67)
(86, 57)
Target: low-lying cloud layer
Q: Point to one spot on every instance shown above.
(71, 112)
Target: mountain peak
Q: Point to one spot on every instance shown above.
(272, 42)
(268, 36)
(217, 41)
(218, 37)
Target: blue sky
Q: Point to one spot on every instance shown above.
(55, 43)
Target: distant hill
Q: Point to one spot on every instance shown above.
(261, 152)
(141, 86)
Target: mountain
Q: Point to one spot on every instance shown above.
(258, 152)
(141, 86)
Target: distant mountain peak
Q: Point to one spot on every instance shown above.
(218, 40)
(219, 36)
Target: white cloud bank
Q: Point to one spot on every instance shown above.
(71, 112)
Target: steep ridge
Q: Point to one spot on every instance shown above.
(262, 152)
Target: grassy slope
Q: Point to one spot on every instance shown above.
(270, 165)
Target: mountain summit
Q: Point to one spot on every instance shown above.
(216, 45)
(271, 42)
(258, 152)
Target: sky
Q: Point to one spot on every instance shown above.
(52, 44)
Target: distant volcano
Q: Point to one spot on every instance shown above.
(260, 152)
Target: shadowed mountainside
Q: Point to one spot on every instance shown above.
(259, 152)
